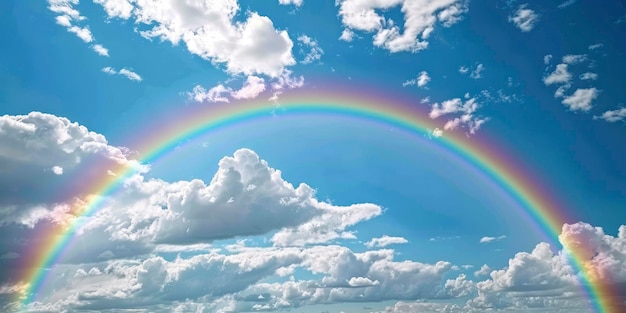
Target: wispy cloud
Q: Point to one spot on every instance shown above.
(124, 72)
(525, 19)
(491, 239)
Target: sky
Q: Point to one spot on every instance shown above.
(310, 212)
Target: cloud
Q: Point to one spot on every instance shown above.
(385, 241)
(251, 89)
(491, 239)
(613, 116)
(560, 76)
(124, 72)
(463, 69)
(483, 271)
(101, 50)
(525, 19)
(574, 58)
(581, 99)
(347, 35)
(297, 3)
(456, 105)
(69, 17)
(596, 46)
(215, 94)
(315, 53)
(421, 81)
(208, 29)
(477, 72)
(547, 58)
(566, 3)
(419, 21)
(588, 76)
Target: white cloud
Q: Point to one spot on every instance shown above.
(208, 29)
(385, 241)
(101, 50)
(566, 3)
(456, 105)
(130, 74)
(294, 2)
(251, 89)
(82, 32)
(588, 76)
(547, 58)
(421, 81)
(347, 35)
(596, 46)
(574, 58)
(525, 19)
(124, 72)
(315, 53)
(57, 170)
(420, 19)
(117, 8)
(491, 239)
(483, 271)
(560, 76)
(215, 94)
(613, 116)
(581, 99)
(477, 72)
(463, 69)
(437, 132)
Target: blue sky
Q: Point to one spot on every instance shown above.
(384, 221)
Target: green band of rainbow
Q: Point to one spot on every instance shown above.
(485, 154)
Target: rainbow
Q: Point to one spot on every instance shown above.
(485, 154)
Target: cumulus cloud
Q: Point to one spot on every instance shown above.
(385, 241)
(251, 88)
(613, 116)
(467, 118)
(294, 2)
(560, 76)
(315, 51)
(582, 99)
(574, 58)
(524, 18)
(209, 29)
(420, 20)
(347, 35)
(491, 239)
(153, 245)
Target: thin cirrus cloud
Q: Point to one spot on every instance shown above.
(492, 239)
(124, 72)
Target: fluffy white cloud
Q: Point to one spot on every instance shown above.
(294, 2)
(251, 88)
(420, 19)
(124, 72)
(483, 271)
(613, 115)
(347, 35)
(215, 94)
(208, 29)
(491, 239)
(385, 241)
(581, 99)
(525, 19)
(315, 51)
(560, 76)
(101, 50)
(456, 105)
